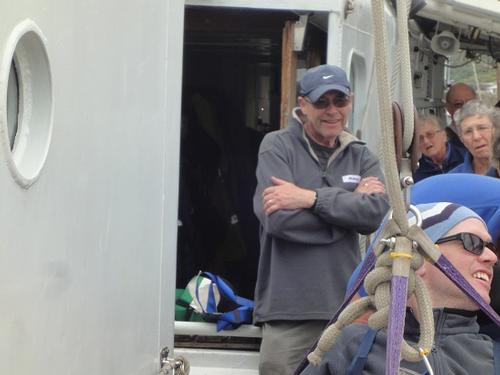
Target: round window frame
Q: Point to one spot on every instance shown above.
(12, 90)
(26, 49)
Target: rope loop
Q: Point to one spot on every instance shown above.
(395, 248)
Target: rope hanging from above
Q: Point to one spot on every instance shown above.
(377, 285)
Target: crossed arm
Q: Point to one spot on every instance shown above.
(284, 208)
(284, 195)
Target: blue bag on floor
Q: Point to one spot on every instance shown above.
(216, 301)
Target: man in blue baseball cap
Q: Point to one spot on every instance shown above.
(318, 187)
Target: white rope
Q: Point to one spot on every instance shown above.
(385, 111)
(377, 285)
(395, 77)
(379, 293)
(406, 76)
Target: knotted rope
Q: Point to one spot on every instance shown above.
(377, 285)
(395, 267)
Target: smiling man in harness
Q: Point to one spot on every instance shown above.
(459, 349)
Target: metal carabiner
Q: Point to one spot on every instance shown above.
(416, 215)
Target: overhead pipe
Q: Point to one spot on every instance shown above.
(453, 12)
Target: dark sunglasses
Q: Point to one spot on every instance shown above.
(338, 101)
(471, 242)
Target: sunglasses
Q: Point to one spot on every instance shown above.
(471, 242)
(323, 103)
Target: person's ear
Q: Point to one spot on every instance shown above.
(302, 102)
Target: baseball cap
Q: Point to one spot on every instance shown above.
(321, 79)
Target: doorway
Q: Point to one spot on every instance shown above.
(232, 96)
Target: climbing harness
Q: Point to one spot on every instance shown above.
(379, 283)
(358, 363)
(214, 299)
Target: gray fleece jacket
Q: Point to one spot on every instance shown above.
(308, 255)
(458, 348)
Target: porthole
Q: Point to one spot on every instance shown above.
(12, 105)
(26, 108)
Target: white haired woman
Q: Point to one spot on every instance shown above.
(477, 124)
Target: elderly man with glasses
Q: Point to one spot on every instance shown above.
(463, 238)
(318, 187)
(438, 155)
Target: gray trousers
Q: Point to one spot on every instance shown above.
(285, 344)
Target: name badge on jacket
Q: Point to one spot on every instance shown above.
(351, 178)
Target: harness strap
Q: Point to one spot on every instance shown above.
(358, 363)
(234, 318)
(454, 275)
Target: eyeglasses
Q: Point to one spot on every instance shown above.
(338, 101)
(429, 135)
(481, 129)
(471, 242)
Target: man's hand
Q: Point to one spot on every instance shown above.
(286, 196)
(370, 185)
